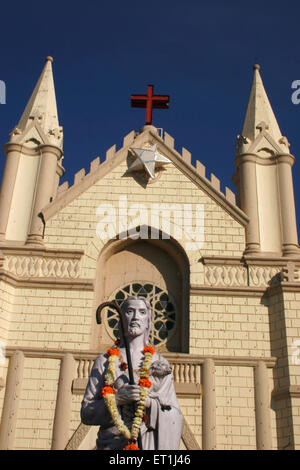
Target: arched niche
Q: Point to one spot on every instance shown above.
(161, 262)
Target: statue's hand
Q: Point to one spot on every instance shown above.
(127, 393)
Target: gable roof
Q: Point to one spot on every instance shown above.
(113, 158)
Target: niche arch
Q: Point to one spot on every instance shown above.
(158, 262)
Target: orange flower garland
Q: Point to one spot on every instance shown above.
(107, 390)
(145, 383)
(113, 352)
(108, 394)
(131, 447)
(149, 349)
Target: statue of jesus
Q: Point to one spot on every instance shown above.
(145, 415)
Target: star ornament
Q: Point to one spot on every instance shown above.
(147, 159)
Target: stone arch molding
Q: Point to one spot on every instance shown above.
(162, 261)
(190, 247)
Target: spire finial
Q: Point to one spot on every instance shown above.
(42, 106)
(259, 110)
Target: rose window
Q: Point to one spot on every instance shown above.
(162, 305)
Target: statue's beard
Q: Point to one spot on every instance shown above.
(134, 330)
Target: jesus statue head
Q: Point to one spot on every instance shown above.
(138, 316)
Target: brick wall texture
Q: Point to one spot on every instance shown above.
(227, 320)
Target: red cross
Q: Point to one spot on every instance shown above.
(149, 102)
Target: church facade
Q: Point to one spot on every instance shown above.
(221, 272)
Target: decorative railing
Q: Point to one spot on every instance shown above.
(37, 266)
(224, 272)
(186, 373)
(193, 375)
(229, 276)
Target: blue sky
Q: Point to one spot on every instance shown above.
(199, 52)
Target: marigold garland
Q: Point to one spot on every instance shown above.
(145, 383)
(108, 394)
(149, 349)
(107, 391)
(131, 447)
(113, 352)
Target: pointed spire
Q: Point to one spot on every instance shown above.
(42, 108)
(260, 112)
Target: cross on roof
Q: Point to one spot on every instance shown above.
(149, 102)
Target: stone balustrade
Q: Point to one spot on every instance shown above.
(193, 376)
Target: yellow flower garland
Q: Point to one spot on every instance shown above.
(110, 399)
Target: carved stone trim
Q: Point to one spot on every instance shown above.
(9, 248)
(227, 290)
(262, 275)
(253, 157)
(232, 272)
(47, 282)
(264, 259)
(223, 275)
(188, 437)
(14, 146)
(36, 266)
(78, 437)
(217, 260)
(261, 259)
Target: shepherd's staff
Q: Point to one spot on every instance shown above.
(114, 304)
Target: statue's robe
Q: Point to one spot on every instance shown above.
(162, 431)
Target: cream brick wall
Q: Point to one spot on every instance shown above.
(229, 326)
(235, 408)
(191, 409)
(235, 396)
(296, 421)
(75, 225)
(37, 404)
(52, 318)
(284, 424)
(278, 339)
(3, 374)
(6, 308)
(75, 414)
(292, 328)
(273, 411)
(241, 325)
(285, 329)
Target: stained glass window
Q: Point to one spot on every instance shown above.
(163, 310)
